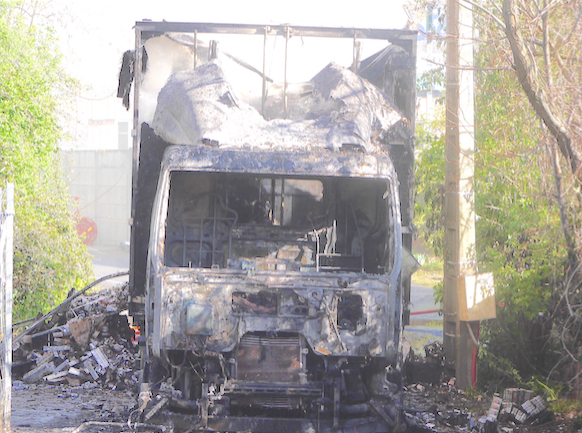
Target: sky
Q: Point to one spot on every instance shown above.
(95, 34)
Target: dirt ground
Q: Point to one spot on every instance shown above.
(51, 409)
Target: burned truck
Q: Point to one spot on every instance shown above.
(270, 244)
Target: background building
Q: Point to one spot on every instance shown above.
(98, 164)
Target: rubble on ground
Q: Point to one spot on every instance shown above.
(90, 344)
(432, 403)
(426, 369)
(87, 341)
(443, 408)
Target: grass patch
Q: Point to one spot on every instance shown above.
(418, 340)
(565, 406)
(431, 272)
(434, 324)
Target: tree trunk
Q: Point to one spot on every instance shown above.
(534, 91)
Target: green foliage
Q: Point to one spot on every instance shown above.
(519, 237)
(506, 371)
(518, 233)
(430, 178)
(429, 181)
(433, 79)
(564, 406)
(49, 257)
(551, 392)
(430, 274)
(439, 293)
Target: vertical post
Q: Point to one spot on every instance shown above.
(356, 54)
(136, 135)
(264, 93)
(285, 74)
(212, 50)
(6, 254)
(459, 253)
(195, 49)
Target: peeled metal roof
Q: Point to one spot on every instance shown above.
(337, 108)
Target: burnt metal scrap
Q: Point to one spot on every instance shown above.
(84, 341)
(126, 75)
(452, 411)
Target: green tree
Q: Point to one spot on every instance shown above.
(430, 167)
(527, 184)
(518, 229)
(49, 256)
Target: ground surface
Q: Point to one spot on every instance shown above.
(430, 274)
(48, 409)
(52, 409)
(109, 260)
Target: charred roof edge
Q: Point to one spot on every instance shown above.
(278, 163)
(156, 28)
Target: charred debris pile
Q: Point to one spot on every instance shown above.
(442, 407)
(432, 403)
(87, 340)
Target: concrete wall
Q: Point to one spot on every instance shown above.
(101, 180)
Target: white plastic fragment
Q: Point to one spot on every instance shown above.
(57, 348)
(62, 366)
(39, 372)
(56, 377)
(91, 371)
(100, 358)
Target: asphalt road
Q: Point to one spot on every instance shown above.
(109, 260)
(421, 299)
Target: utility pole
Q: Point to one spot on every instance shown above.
(460, 258)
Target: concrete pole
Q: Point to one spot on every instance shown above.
(459, 250)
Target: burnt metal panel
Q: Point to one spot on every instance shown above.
(394, 72)
(319, 329)
(143, 194)
(150, 29)
(270, 359)
(299, 163)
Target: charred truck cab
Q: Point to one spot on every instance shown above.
(269, 253)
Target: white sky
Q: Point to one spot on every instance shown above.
(95, 34)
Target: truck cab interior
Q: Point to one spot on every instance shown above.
(249, 222)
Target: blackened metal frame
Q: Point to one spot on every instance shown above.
(405, 39)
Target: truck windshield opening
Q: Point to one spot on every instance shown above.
(244, 221)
